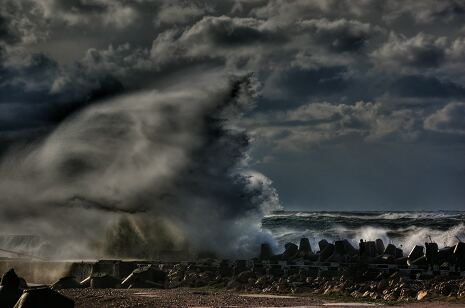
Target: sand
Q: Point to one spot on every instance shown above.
(184, 297)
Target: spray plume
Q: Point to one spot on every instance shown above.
(140, 173)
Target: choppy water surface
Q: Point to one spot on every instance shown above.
(400, 228)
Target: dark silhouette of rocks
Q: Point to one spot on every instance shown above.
(10, 290)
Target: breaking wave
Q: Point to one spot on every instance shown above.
(400, 228)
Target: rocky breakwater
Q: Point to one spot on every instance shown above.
(371, 271)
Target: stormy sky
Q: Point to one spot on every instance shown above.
(361, 104)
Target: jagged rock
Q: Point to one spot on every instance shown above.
(265, 251)
(239, 267)
(290, 251)
(406, 293)
(390, 297)
(304, 247)
(9, 289)
(379, 246)
(261, 281)
(367, 249)
(85, 283)
(445, 254)
(416, 253)
(103, 281)
(382, 285)
(22, 283)
(431, 253)
(145, 277)
(421, 294)
(327, 252)
(233, 284)
(390, 250)
(43, 298)
(244, 276)
(323, 244)
(67, 282)
(459, 254)
(419, 261)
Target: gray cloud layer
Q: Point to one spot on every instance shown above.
(336, 77)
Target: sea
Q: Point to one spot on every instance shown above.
(402, 228)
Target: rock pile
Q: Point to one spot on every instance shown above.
(14, 293)
(373, 271)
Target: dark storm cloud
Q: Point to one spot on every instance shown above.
(6, 35)
(420, 51)
(341, 35)
(428, 11)
(300, 84)
(361, 72)
(424, 86)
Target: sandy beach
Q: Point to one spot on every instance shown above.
(185, 297)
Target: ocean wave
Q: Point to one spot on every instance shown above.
(372, 215)
(401, 228)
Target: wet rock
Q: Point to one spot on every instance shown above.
(382, 285)
(416, 253)
(445, 254)
(327, 252)
(379, 246)
(265, 252)
(290, 252)
(103, 281)
(233, 284)
(367, 249)
(9, 289)
(323, 244)
(85, 283)
(406, 293)
(419, 261)
(261, 281)
(244, 276)
(431, 253)
(459, 255)
(390, 250)
(304, 247)
(67, 282)
(239, 267)
(390, 297)
(43, 298)
(422, 294)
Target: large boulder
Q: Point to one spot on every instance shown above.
(304, 247)
(379, 246)
(103, 281)
(431, 253)
(43, 298)
(322, 244)
(145, 277)
(265, 251)
(445, 254)
(390, 250)
(327, 252)
(459, 254)
(9, 289)
(290, 251)
(367, 249)
(67, 282)
(416, 253)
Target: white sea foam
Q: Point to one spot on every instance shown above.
(405, 233)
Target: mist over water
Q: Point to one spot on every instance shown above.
(142, 173)
(401, 228)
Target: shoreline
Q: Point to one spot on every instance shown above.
(201, 297)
